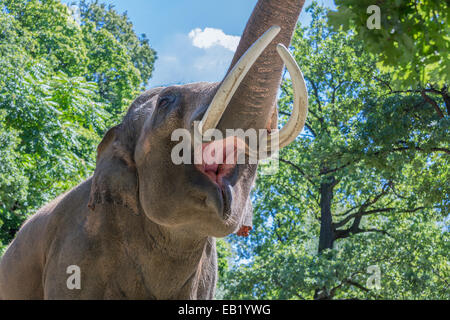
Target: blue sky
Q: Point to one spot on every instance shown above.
(194, 39)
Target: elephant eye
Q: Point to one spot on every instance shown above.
(165, 105)
(165, 101)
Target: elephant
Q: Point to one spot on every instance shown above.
(143, 227)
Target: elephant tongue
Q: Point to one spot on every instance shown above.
(211, 170)
(220, 157)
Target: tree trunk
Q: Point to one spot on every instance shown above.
(326, 237)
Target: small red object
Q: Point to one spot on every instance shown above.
(243, 231)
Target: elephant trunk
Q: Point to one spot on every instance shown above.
(254, 102)
(246, 97)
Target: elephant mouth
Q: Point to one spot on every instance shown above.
(226, 199)
(220, 165)
(222, 183)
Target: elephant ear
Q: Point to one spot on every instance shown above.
(115, 178)
(247, 220)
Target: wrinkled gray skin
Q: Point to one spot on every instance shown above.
(150, 233)
(142, 227)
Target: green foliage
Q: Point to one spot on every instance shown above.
(373, 161)
(412, 260)
(55, 122)
(13, 182)
(119, 61)
(413, 41)
(224, 253)
(62, 84)
(52, 32)
(102, 47)
(120, 27)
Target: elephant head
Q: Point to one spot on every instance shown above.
(134, 164)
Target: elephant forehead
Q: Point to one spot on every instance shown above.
(197, 93)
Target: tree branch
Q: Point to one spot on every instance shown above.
(354, 229)
(421, 149)
(316, 93)
(356, 284)
(433, 103)
(341, 234)
(423, 92)
(362, 210)
(309, 127)
(307, 177)
(335, 169)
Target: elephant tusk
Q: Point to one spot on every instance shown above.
(296, 122)
(233, 80)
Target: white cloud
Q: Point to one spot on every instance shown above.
(192, 57)
(209, 37)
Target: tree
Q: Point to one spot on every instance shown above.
(13, 182)
(366, 184)
(53, 110)
(138, 47)
(120, 61)
(412, 42)
(51, 32)
(101, 46)
(52, 123)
